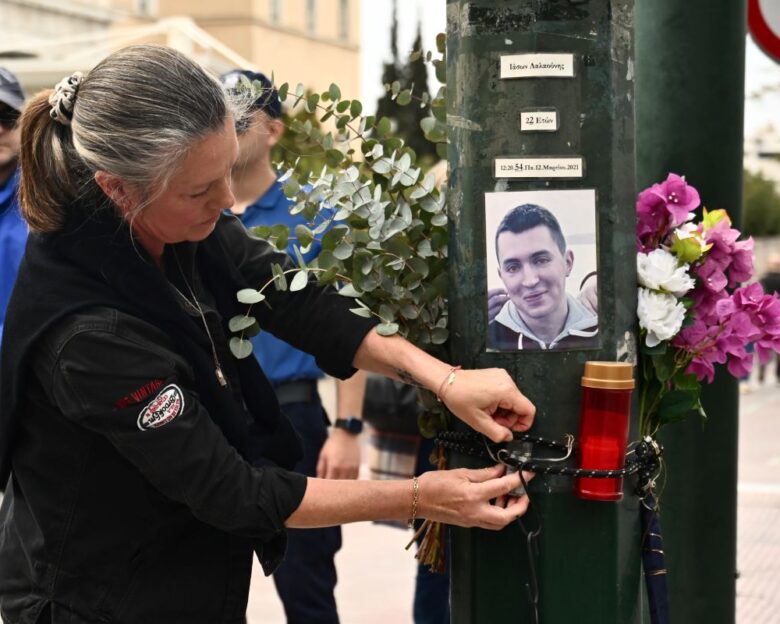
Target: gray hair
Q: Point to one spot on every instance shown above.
(136, 114)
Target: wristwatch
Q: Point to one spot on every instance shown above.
(352, 425)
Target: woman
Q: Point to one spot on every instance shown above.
(147, 463)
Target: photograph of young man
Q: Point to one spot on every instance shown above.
(533, 264)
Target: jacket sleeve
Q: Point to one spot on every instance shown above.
(315, 319)
(118, 377)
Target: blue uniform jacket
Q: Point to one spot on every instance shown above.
(281, 362)
(13, 237)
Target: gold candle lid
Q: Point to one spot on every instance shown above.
(608, 375)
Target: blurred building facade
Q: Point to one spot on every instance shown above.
(314, 42)
(762, 157)
(762, 154)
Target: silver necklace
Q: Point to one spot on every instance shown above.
(195, 305)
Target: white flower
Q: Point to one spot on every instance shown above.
(660, 270)
(660, 314)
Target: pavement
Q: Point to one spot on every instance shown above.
(376, 576)
(758, 507)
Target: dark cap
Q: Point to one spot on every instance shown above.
(267, 101)
(10, 90)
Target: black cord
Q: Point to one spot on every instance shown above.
(644, 459)
(532, 548)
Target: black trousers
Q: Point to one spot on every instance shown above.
(307, 577)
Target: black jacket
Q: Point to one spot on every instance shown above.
(133, 497)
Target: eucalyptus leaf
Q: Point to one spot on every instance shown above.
(382, 166)
(240, 348)
(404, 97)
(242, 321)
(334, 157)
(352, 173)
(299, 281)
(343, 250)
(364, 312)
(304, 235)
(424, 248)
(261, 231)
(311, 102)
(387, 329)
(333, 237)
(368, 283)
(249, 296)
(439, 220)
(383, 127)
(410, 311)
(410, 176)
(439, 336)
(280, 279)
(428, 124)
(386, 313)
(349, 291)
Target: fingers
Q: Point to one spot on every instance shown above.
(516, 403)
(497, 297)
(500, 486)
(495, 518)
(322, 467)
(493, 429)
(479, 475)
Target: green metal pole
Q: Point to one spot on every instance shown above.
(588, 561)
(690, 59)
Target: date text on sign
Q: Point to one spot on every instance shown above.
(548, 167)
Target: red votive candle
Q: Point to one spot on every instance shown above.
(606, 407)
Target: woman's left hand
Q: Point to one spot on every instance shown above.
(489, 401)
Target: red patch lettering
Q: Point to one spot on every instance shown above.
(139, 395)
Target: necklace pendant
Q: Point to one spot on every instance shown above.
(220, 377)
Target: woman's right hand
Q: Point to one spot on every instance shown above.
(462, 497)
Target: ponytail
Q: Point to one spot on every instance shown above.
(52, 173)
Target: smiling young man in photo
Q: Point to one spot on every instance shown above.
(533, 264)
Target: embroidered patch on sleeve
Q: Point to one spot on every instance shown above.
(163, 408)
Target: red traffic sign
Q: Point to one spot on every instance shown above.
(764, 24)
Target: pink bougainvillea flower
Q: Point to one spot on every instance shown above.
(678, 196)
(741, 268)
(711, 274)
(705, 301)
(663, 207)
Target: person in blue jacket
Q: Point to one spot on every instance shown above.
(13, 230)
(306, 580)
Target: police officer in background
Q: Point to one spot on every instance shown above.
(307, 578)
(13, 230)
